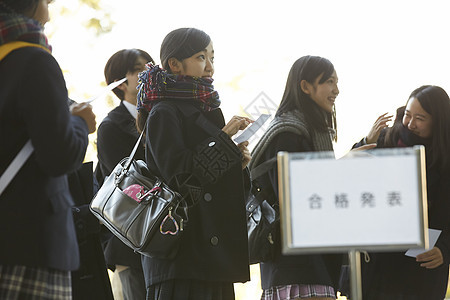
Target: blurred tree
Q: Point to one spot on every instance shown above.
(75, 29)
(94, 15)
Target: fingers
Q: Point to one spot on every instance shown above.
(365, 147)
(246, 156)
(384, 117)
(243, 144)
(428, 255)
(84, 110)
(432, 264)
(379, 125)
(235, 124)
(431, 259)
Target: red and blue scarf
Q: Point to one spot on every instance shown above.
(155, 84)
(16, 27)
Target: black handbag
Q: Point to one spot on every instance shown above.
(140, 209)
(263, 218)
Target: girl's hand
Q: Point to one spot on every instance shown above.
(235, 124)
(431, 259)
(246, 157)
(84, 110)
(379, 125)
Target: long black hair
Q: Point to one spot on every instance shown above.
(180, 43)
(435, 101)
(308, 68)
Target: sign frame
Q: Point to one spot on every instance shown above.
(284, 167)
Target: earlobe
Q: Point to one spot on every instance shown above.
(305, 86)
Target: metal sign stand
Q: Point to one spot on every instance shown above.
(355, 274)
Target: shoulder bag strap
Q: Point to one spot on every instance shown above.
(133, 152)
(263, 168)
(15, 165)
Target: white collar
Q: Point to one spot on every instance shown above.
(131, 108)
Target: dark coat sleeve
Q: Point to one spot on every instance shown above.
(438, 215)
(184, 162)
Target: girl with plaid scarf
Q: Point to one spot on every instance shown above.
(37, 233)
(189, 145)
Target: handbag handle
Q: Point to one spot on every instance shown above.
(127, 164)
(133, 152)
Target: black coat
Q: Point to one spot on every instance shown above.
(186, 144)
(36, 224)
(393, 273)
(91, 280)
(116, 137)
(322, 269)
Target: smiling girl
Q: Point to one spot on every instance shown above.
(425, 120)
(189, 145)
(305, 121)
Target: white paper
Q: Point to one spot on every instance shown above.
(433, 235)
(345, 196)
(252, 129)
(110, 87)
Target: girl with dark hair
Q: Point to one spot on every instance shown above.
(424, 121)
(116, 137)
(37, 232)
(305, 121)
(189, 145)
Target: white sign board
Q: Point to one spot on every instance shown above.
(372, 201)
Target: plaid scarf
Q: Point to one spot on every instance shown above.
(155, 84)
(15, 27)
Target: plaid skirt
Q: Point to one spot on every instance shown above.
(294, 291)
(185, 289)
(30, 283)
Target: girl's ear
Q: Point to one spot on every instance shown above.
(122, 86)
(306, 87)
(175, 65)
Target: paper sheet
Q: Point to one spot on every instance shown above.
(110, 87)
(252, 129)
(433, 235)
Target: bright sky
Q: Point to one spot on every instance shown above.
(381, 50)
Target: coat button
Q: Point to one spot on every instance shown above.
(214, 240)
(207, 197)
(211, 144)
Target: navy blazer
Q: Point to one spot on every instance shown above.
(36, 224)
